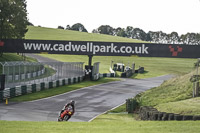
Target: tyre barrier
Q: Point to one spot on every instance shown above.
(127, 74)
(131, 105)
(150, 113)
(99, 75)
(107, 75)
(31, 88)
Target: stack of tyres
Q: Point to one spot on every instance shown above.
(150, 113)
(131, 105)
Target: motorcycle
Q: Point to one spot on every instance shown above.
(66, 114)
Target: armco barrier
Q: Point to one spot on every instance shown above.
(31, 88)
(150, 113)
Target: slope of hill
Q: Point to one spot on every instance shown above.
(173, 96)
(42, 33)
(175, 89)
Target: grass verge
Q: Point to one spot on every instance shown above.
(184, 107)
(60, 90)
(100, 127)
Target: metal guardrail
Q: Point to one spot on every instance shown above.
(22, 73)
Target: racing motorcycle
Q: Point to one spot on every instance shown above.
(66, 114)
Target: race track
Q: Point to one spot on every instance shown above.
(90, 101)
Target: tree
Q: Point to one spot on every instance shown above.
(153, 36)
(162, 37)
(94, 31)
(120, 32)
(30, 24)
(13, 19)
(105, 29)
(60, 27)
(68, 27)
(139, 34)
(129, 31)
(190, 39)
(174, 38)
(149, 36)
(78, 27)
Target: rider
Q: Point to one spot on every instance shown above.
(71, 103)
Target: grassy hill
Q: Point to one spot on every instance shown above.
(42, 33)
(175, 89)
(173, 96)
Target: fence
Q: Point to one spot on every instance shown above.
(22, 73)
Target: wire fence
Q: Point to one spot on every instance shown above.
(21, 73)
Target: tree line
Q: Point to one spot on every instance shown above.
(151, 36)
(137, 33)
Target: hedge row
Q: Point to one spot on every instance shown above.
(150, 113)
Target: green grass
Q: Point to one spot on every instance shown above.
(175, 89)
(184, 107)
(14, 57)
(60, 90)
(119, 109)
(41, 33)
(114, 117)
(100, 127)
(153, 66)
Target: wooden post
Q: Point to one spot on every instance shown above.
(193, 94)
(197, 89)
(133, 67)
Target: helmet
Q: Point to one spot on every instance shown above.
(72, 102)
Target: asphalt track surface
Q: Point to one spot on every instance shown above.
(90, 101)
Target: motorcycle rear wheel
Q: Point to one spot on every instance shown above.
(66, 117)
(59, 119)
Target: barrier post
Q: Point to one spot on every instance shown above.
(6, 101)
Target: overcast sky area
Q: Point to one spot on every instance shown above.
(182, 16)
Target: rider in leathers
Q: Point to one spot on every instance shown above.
(72, 104)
